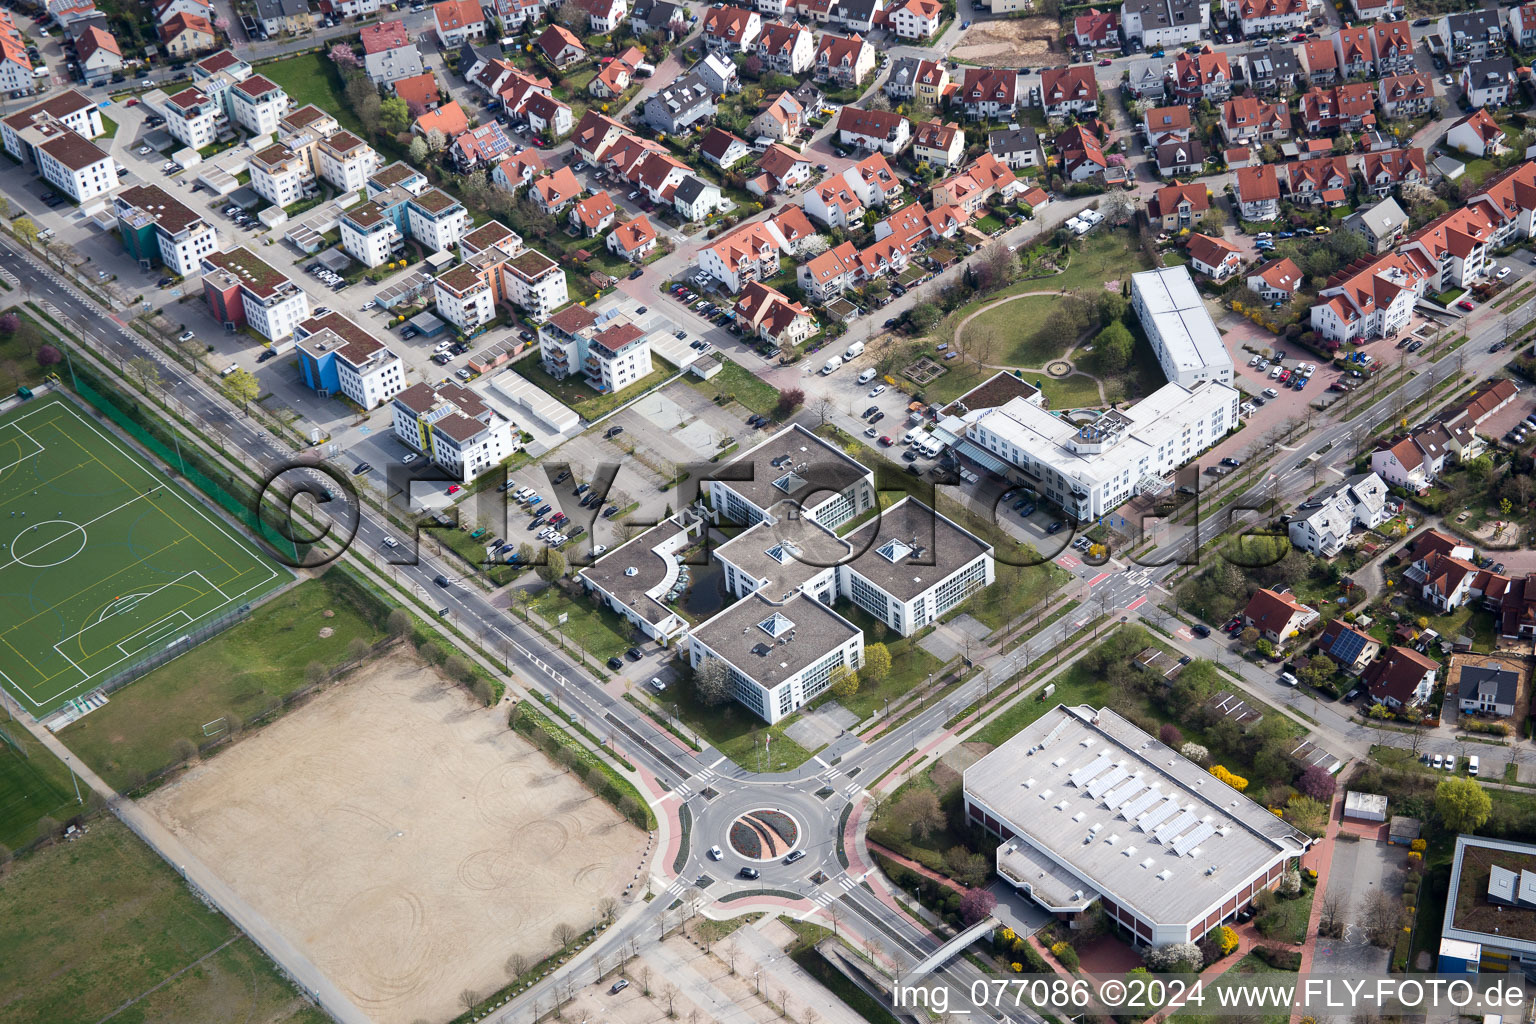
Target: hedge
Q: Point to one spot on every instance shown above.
(531, 722)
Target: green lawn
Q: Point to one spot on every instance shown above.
(736, 383)
(18, 354)
(1106, 256)
(88, 926)
(240, 673)
(910, 665)
(311, 78)
(601, 632)
(33, 783)
(1016, 326)
(1076, 391)
(574, 392)
(737, 733)
(108, 127)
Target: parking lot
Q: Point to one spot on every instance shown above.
(1358, 870)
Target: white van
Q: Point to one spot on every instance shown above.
(832, 364)
(1288, 679)
(866, 376)
(231, 368)
(854, 351)
(1472, 765)
(911, 435)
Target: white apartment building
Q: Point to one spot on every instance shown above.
(258, 104)
(369, 235)
(1163, 23)
(338, 357)
(465, 297)
(436, 219)
(778, 656)
(73, 164)
(346, 161)
(1324, 522)
(609, 350)
(280, 176)
(74, 111)
(194, 118)
(157, 227)
(535, 283)
(1186, 341)
(1089, 809)
(241, 289)
(454, 428)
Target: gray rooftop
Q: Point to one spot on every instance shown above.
(786, 551)
(770, 642)
(1133, 818)
(634, 570)
(814, 471)
(909, 547)
(1490, 679)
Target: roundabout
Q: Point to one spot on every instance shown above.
(764, 834)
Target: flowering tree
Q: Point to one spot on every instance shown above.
(9, 322)
(976, 904)
(343, 56)
(1317, 783)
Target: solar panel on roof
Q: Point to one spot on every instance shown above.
(1158, 814)
(1104, 783)
(1186, 844)
(1089, 771)
(1348, 645)
(1128, 790)
(1141, 803)
(1177, 827)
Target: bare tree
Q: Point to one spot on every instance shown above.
(811, 1016)
(645, 978)
(836, 917)
(670, 995)
(606, 907)
(563, 933)
(517, 965)
(1383, 916)
(693, 1016)
(825, 406)
(1330, 922)
(731, 953)
(469, 999)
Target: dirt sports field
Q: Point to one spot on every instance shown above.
(1016, 41)
(407, 841)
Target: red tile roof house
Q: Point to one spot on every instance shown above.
(1277, 616)
(1355, 652)
(591, 216)
(1447, 582)
(1177, 206)
(561, 47)
(1401, 677)
(633, 240)
(1408, 463)
(1069, 90)
(1276, 281)
(1258, 192)
(1216, 258)
(1097, 28)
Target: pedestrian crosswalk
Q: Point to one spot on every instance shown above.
(677, 887)
(850, 789)
(848, 882)
(692, 785)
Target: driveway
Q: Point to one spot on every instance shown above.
(1359, 869)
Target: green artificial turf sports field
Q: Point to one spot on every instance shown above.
(104, 560)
